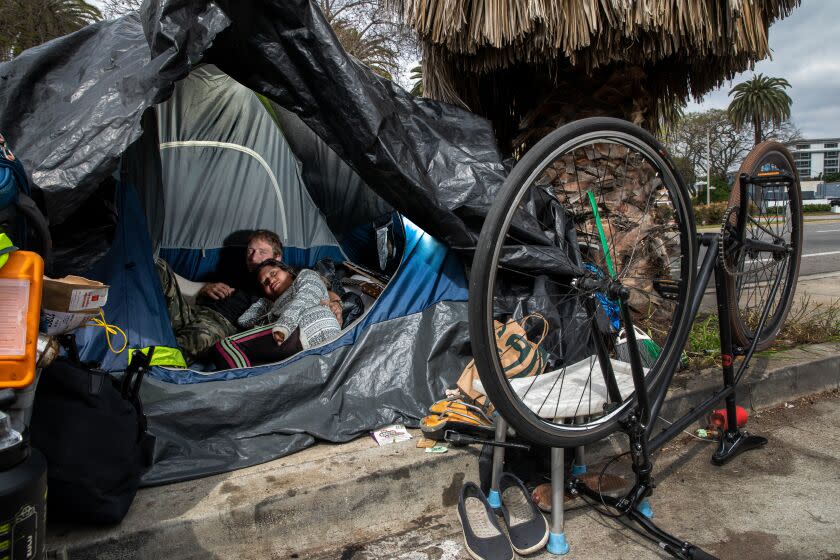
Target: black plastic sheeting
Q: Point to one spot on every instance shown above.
(73, 105)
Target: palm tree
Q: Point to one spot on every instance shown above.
(759, 100)
(417, 77)
(29, 23)
(365, 32)
(374, 51)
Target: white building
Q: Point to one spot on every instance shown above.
(815, 157)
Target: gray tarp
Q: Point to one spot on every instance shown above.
(391, 374)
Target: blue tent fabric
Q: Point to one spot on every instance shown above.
(202, 264)
(135, 299)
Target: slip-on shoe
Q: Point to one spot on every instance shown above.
(527, 528)
(483, 536)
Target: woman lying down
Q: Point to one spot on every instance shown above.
(291, 317)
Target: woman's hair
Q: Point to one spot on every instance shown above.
(279, 264)
(292, 271)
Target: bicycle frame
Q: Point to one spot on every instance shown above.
(639, 422)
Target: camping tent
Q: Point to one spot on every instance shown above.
(193, 119)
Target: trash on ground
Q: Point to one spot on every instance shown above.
(424, 443)
(391, 434)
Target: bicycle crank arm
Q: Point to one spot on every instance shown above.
(457, 438)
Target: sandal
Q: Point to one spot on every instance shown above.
(458, 405)
(435, 426)
(608, 484)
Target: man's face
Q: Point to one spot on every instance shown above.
(258, 251)
(274, 281)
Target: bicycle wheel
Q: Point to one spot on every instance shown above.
(594, 201)
(771, 214)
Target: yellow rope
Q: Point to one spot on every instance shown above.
(109, 330)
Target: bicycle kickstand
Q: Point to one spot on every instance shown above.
(733, 440)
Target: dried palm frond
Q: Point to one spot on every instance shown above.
(529, 65)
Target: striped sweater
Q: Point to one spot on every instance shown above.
(298, 307)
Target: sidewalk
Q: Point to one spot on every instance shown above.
(317, 503)
(776, 503)
(816, 289)
(820, 288)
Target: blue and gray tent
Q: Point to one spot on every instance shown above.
(164, 131)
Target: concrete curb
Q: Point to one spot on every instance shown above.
(319, 499)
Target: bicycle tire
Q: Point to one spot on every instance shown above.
(670, 213)
(749, 280)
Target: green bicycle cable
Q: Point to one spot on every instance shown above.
(601, 234)
(651, 348)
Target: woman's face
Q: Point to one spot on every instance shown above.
(274, 280)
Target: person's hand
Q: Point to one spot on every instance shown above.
(278, 337)
(216, 290)
(334, 303)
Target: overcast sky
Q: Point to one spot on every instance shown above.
(806, 51)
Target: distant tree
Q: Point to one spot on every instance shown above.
(685, 168)
(28, 23)
(370, 32)
(785, 133)
(688, 138)
(720, 190)
(116, 8)
(372, 51)
(759, 100)
(832, 177)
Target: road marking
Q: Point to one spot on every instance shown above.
(803, 256)
(827, 230)
(822, 254)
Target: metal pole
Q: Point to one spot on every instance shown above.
(557, 543)
(494, 499)
(579, 464)
(708, 166)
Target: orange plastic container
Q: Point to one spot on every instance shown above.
(20, 311)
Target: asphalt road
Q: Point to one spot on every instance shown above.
(821, 248)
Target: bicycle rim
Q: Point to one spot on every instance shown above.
(599, 197)
(773, 214)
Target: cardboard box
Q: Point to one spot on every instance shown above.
(68, 302)
(74, 294)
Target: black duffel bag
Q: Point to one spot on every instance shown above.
(92, 430)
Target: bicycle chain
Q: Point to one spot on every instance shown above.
(722, 248)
